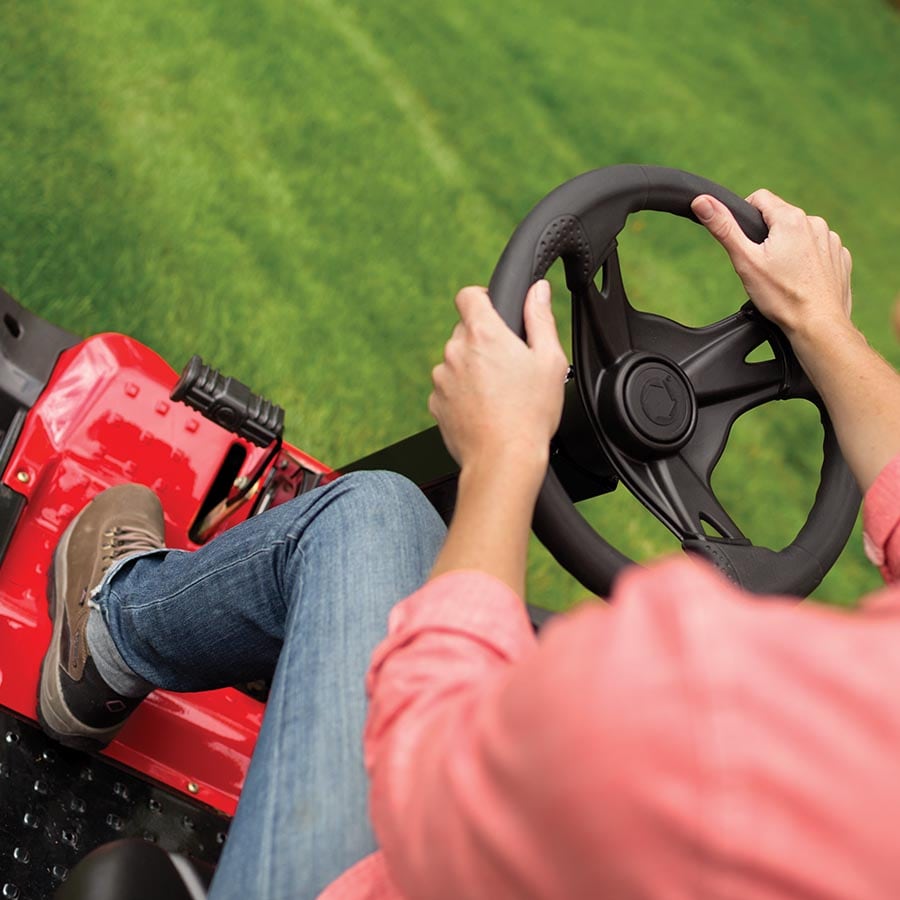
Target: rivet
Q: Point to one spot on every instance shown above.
(22, 476)
(193, 787)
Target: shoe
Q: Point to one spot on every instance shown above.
(75, 706)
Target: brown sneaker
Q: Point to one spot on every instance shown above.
(75, 705)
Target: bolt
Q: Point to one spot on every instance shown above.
(23, 476)
(193, 787)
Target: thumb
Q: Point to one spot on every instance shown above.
(721, 224)
(540, 325)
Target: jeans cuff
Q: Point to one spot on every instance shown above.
(112, 668)
(109, 661)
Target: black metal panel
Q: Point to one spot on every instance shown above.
(12, 418)
(57, 804)
(11, 506)
(421, 457)
(29, 348)
(578, 461)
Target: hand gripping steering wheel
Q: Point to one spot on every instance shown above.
(661, 397)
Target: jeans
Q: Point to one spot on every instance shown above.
(302, 591)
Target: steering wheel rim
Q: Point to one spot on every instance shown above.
(578, 222)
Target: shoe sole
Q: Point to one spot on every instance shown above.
(53, 714)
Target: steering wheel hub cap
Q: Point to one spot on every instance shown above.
(650, 404)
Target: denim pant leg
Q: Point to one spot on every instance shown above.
(304, 589)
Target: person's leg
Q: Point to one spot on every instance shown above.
(308, 585)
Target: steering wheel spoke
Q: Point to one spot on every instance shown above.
(718, 369)
(684, 500)
(609, 312)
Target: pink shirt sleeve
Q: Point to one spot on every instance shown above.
(881, 516)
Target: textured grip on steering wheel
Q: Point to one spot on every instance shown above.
(564, 236)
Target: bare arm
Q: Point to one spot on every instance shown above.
(862, 394)
(799, 277)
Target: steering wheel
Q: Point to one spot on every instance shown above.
(660, 397)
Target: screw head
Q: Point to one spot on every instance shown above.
(22, 476)
(193, 787)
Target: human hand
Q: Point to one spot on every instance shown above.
(799, 277)
(496, 396)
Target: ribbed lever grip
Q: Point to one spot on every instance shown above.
(229, 403)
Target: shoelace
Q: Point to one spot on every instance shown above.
(122, 542)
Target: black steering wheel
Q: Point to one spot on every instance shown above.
(660, 397)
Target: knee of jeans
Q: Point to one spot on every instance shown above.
(392, 503)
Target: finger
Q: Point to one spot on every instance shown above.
(453, 351)
(540, 325)
(472, 302)
(847, 263)
(819, 227)
(820, 232)
(721, 224)
(433, 405)
(848, 260)
(770, 204)
(836, 248)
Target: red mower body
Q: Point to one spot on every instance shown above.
(104, 418)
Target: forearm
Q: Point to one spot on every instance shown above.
(492, 520)
(861, 392)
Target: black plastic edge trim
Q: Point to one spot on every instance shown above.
(11, 505)
(29, 349)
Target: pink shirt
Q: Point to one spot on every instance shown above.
(686, 742)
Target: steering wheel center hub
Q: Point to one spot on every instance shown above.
(650, 403)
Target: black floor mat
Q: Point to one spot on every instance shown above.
(56, 805)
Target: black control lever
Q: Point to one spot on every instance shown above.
(229, 403)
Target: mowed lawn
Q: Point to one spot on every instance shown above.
(296, 190)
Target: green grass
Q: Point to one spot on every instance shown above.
(296, 190)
